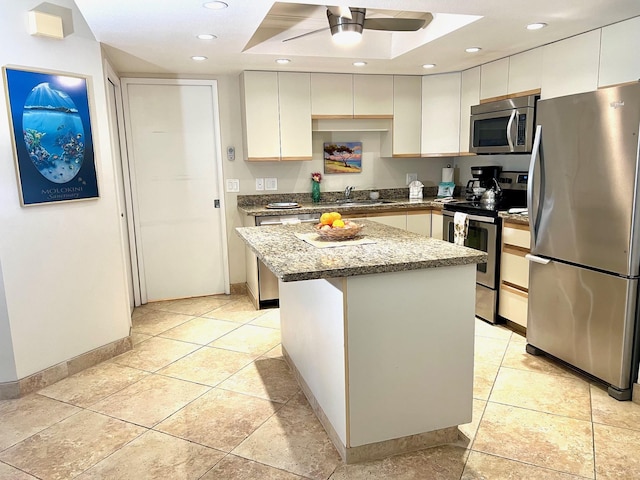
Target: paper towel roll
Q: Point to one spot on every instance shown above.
(447, 174)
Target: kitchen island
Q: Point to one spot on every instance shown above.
(379, 335)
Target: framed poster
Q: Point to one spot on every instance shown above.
(53, 145)
(345, 157)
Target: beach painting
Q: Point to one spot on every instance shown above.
(345, 157)
(52, 137)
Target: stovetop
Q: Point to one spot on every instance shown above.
(475, 208)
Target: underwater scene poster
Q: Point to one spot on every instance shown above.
(52, 136)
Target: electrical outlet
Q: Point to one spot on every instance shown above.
(233, 185)
(259, 183)
(271, 184)
(411, 177)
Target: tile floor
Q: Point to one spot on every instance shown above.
(205, 394)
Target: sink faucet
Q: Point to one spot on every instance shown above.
(347, 191)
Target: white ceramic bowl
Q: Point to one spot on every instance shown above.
(374, 195)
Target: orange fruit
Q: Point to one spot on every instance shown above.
(326, 219)
(335, 216)
(337, 224)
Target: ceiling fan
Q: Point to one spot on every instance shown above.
(347, 23)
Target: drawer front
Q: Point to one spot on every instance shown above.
(518, 235)
(514, 268)
(513, 305)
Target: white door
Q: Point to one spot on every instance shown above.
(174, 149)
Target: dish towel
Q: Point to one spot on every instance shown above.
(460, 228)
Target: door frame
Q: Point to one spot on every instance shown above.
(126, 81)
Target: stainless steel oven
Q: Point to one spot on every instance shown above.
(483, 234)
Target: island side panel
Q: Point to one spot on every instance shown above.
(312, 329)
(410, 352)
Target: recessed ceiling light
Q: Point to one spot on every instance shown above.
(215, 5)
(206, 36)
(536, 26)
(359, 64)
(198, 58)
(283, 61)
(428, 65)
(473, 49)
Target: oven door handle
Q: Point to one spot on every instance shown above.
(472, 218)
(509, 130)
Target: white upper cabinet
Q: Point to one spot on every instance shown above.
(260, 115)
(469, 96)
(441, 114)
(294, 94)
(332, 95)
(571, 66)
(525, 72)
(619, 59)
(407, 116)
(372, 96)
(494, 79)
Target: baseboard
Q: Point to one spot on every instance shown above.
(51, 375)
(238, 288)
(635, 393)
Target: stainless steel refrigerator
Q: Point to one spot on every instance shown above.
(585, 234)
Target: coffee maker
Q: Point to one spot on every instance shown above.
(484, 178)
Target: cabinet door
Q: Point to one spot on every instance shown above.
(525, 72)
(441, 114)
(294, 94)
(261, 122)
(398, 220)
(436, 225)
(407, 116)
(372, 96)
(332, 95)
(571, 65)
(419, 222)
(494, 79)
(619, 60)
(470, 96)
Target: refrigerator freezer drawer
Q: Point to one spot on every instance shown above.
(583, 317)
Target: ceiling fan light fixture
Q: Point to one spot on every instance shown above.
(346, 37)
(347, 31)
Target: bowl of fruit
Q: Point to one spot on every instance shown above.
(333, 227)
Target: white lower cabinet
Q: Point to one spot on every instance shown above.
(514, 273)
(436, 224)
(419, 222)
(416, 221)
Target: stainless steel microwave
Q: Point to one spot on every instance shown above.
(503, 126)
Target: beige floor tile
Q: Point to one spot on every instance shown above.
(236, 468)
(198, 305)
(154, 322)
(437, 463)
(151, 400)
(249, 339)
(609, 411)
(267, 378)
(275, 352)
(71, 446)
(239, 311)
(219, 419)
(489, 467)
(7, 472)
(270, 319)
(560, 395)
(293, 440)
(93, 384)
(484, 374)
(489, 350)
(138, 338)
(155, 354)
(617, 452)
(484, 329)
(470, 429)
(200, 330)
(154, 456)
(23, 417)
(208, 366)
(157, 305)
(517, 357)
(542, 439)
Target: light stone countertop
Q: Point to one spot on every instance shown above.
(519, 218)
(395, 250)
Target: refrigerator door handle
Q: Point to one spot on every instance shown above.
(536, 259)
(533, 213)
(509, 125)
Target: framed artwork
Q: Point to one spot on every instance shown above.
(343, 157)
(52, 140)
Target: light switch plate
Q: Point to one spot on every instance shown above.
(259, 183)
(411, 177)
(233, 185)
(271, 184)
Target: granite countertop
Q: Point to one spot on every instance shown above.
(519, 218)
(292, 259)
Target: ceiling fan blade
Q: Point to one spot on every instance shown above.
(340, 11)
(396, 24)
(305, 34)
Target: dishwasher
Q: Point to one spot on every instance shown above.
(262, 285)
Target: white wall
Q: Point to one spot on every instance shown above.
(62, 263)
